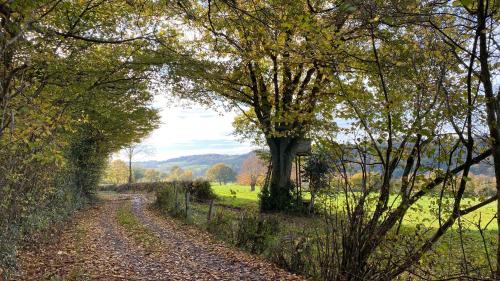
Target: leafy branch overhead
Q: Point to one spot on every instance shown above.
(366, 112)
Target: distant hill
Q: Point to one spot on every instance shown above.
(199, 164)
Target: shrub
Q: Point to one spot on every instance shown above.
(253, 232)
(202, 191)
(265, 198)
(165, 198)
(38, 221)
(294, 252)
(221, 226)
(8, 248)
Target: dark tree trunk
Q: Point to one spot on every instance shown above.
(492, 109)
(252, 187)
(280, 186)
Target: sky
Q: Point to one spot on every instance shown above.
(190, 130)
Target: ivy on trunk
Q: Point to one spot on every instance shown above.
(280, 185)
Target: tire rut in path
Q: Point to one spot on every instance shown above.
(133, 262)
(202, 254)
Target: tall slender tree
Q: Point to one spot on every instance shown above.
(132, 150)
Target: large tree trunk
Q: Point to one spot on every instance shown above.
(282, 155)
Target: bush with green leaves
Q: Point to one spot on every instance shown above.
(294, 252)
(165, 198)
(170, 196)
(201, 190)
(221, 225)
(253, 232)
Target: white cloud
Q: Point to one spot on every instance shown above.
(191, 130)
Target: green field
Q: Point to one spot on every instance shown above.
(241, 196)
(424, 212)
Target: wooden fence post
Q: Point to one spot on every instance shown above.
(176, 198)
(188, 209)
(210, 210)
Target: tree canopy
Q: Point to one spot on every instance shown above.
(221, 173)
(72, 91)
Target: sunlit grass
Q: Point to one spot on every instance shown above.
(424, 212)
(420, 223)
(236, 195)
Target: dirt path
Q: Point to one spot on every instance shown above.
(96, 247)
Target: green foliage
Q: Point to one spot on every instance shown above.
(67, 100)
(253, 232)
(201, 190)
(116, 172)
(221, 225)
(257, 56)
(254, 43)
(165, 198)
(136, 187)
(245, 130)
(87, 160)
(295, 253)
(265, 198)
(285, 200)
(317, 171)
(76, 88)
(170, 196)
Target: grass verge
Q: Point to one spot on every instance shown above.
(141, 234)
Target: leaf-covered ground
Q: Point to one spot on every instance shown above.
(121, 239)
